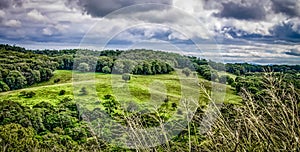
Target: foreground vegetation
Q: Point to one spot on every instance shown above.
(266, 123)
(64, 110)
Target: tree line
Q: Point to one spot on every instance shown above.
(21, 67)
(18, 70)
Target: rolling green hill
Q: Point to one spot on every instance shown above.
(139, 88)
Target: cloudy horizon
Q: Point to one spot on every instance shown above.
(260, 32)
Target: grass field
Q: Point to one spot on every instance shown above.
(140, 89)
(226, 73)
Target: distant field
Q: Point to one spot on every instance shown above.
(143, 89)
(226, 73)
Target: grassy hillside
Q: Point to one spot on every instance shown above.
(140, 88)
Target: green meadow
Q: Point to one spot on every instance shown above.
(140, 89)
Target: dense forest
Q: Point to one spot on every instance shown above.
(267, 118)
(18, 70)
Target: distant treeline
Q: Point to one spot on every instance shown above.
(65, 58)
(25, 67)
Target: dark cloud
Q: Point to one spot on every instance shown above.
(288, 7)
(287, 31)
(294, 52)
(4, 4)
(100, 8)
(241, 11)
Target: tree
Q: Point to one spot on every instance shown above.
(223, 79)
(45, 74)
(83, 91)
(138, 69)
(15, 80)
(102, 62)
(146, 68)
(62, 92)
(3, 86)
(118, 67)
(36, 75)
(230, 80)
(25, 94)
(106, 69)
(83, 67)
(14, 137)
(186, 71)
(214, 75)
(126, 77)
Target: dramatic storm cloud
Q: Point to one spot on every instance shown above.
(99, 8)
(288, 7)
(288, 31)
(4, 4)
(294, 52)
(242, 11)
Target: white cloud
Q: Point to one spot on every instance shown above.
(47, 31)
(36, 15)
(2, 14)
(13, 23)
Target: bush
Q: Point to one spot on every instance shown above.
(25, 94)
(108, 96)
(3, 87)
(62, 92)
(106, 69)
(230, 81)
(57, 80)
(83, 67)
(186, 71)
(83, 91)
(126, 77)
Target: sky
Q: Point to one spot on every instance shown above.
(253, 31)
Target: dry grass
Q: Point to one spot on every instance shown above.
(269, 124)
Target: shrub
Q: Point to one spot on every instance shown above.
(62, 92)
(174, 105)
(3, 86)
(108, 96)
(25, 94)
(230, 81)
(126, 77)
(106, 69)
(83, 91)
(57, 80)
(83, 67)
(166, 100)
(186, 71)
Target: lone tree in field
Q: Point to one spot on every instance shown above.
(186, 71)
(126, 77)
(83, 67)
(106, 70)
(83, 91)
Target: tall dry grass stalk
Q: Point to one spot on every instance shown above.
(271, 123)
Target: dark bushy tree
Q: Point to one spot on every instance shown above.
(126, 77)
(15, 80)
(83, 67)
(4, 86)
(106, 69)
